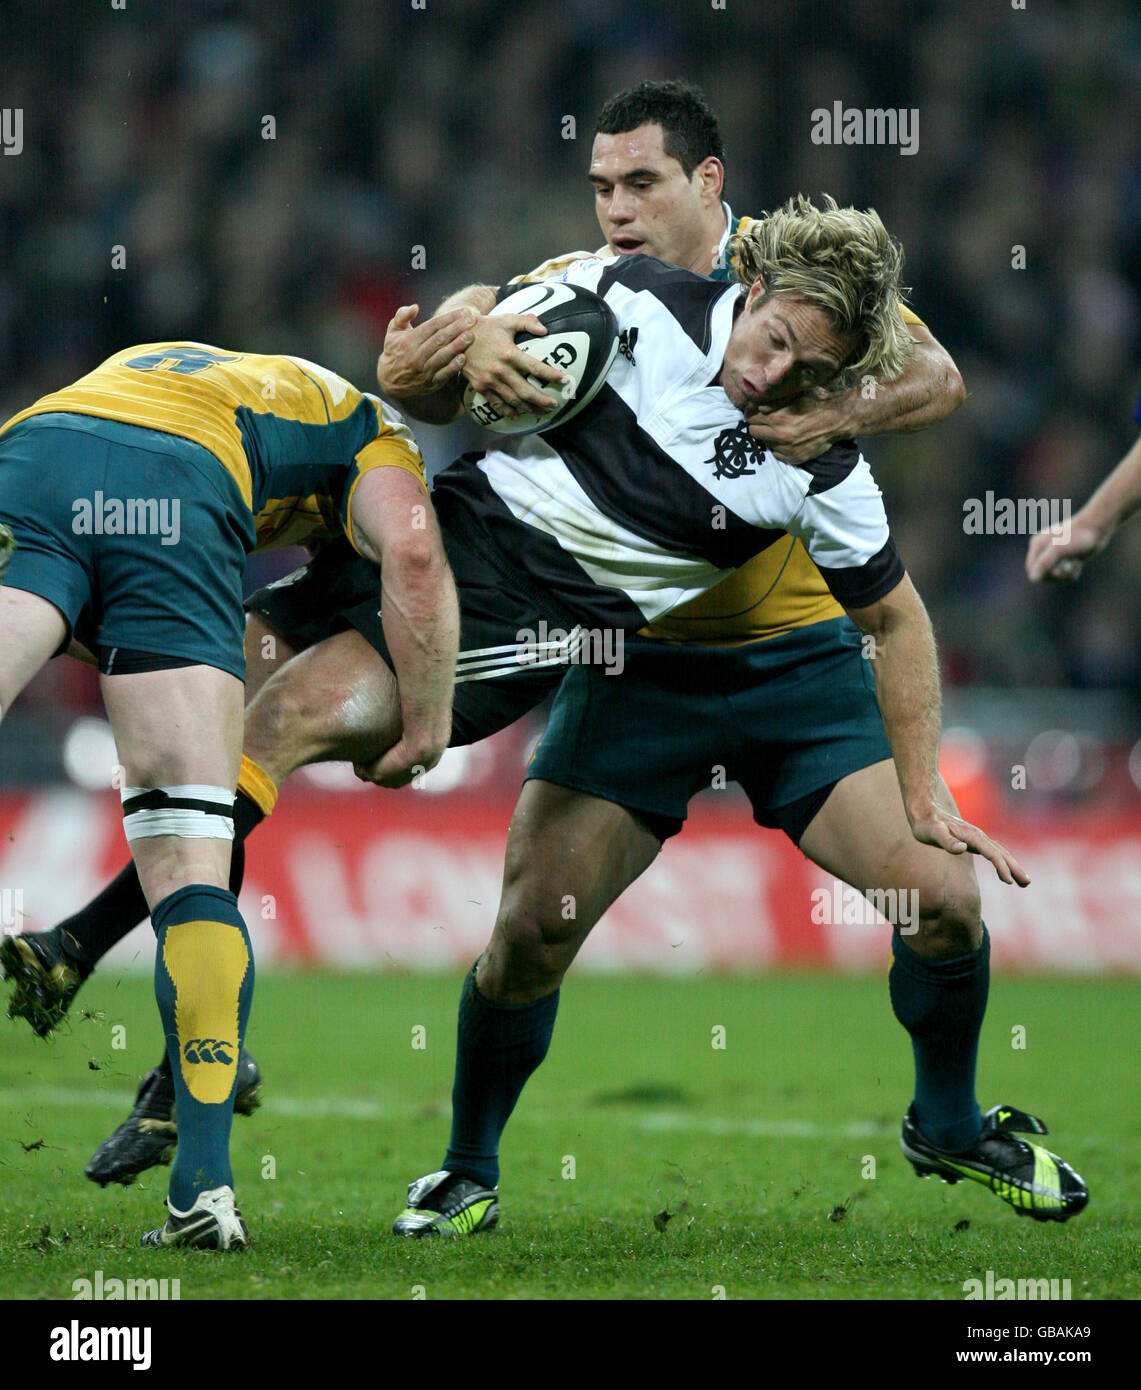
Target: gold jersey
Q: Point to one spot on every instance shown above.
(294, 437)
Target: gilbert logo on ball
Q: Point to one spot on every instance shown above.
(581, 340)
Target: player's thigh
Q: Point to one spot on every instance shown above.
(31, 631)
(569, 856)
(175, 729)
(862, 835)
(335, 701)
(47, 567)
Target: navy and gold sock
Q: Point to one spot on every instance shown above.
(941, 1003)
(204, 984)
(497, 1049)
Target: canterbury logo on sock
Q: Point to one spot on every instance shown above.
(208, 1050)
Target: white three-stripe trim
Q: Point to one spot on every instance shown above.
(511, 658)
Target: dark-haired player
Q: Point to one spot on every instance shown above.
(658, 172)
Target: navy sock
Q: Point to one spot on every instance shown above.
(941, 1003)
(204, 984)
(497, 1049)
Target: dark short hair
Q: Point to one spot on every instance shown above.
(690, 132)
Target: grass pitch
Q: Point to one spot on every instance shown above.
(643, 1162)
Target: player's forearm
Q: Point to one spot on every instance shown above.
(905, 666)
(927, 391)
(392, 523)
(1117, 498)
(439, 407)
(420, 614)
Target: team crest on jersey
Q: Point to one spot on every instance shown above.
(736, 453)
(626, 340)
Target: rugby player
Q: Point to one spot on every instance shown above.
(763, 675)
(129, 501)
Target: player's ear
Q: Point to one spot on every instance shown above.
(710, 176)
(756, 292)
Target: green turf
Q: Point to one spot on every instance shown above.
(696, 1169)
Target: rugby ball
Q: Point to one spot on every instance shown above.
(582, 339)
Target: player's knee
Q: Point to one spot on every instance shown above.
(538, 944)
(290, 715)
(179, 836)
(535, 939)
(948, 920)
(513, 976)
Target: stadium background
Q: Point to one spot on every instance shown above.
(437, 134)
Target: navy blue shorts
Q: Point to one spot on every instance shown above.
(787, 718)
(139, 538)
(338, 590)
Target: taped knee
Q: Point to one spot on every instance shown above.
(193, 812)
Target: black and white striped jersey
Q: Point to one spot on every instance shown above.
(656, 491)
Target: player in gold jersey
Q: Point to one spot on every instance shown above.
(132, 498)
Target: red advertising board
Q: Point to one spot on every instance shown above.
(408, 880)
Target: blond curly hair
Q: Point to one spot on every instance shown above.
(843, 261)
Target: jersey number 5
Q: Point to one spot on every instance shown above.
(184, 360)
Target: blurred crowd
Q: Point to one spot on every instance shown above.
(281, 178)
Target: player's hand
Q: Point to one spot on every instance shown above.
(803, 430)
(946, 830)
(404, 762)
(417, 361)
(499, 370)
(1057, 558)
